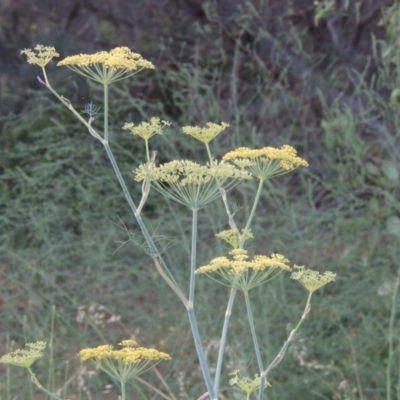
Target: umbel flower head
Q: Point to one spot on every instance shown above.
(189, 183)
(205, 135)
(246, 384)
(234, 237)
(266, 162)
(106, 67)
(26, 357)
(146, 130)
(41, 55)
(312, 280)
(125, 363)
(243, 273)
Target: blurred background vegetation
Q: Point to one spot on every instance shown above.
(322, 76)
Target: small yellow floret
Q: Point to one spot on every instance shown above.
(25, 358)
(312, 280)
(205, 135)
(42, 56)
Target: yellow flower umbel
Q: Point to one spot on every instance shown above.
(106, 67)
(126, 363)
(205, 135)
(189, 183)
(146, 130)
(246, 384)
(243, 273)
(41, 55)
(267, 162)
(234, 238)
(25, 358)
(312, 280)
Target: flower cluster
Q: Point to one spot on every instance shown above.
(26, 357)
(190, 183)
(266, 162)
(246, 384)
(312, 280)
(128, 354)
(125, 363)
(106, 67)
(234, 237)
(147, 129)
(42, 56)
(205, 135)
(244, 273)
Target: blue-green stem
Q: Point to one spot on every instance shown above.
(285, 346)
(209, 152)
(147, 150)
(50, 378)
(256, 199)
(253, 331)
(106, 112)
(222, 342)
(193, 256)
(123, 390)
(200, 353)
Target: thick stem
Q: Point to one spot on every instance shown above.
(253, 331)
(106, 112)
(200, 352)
(193, 256)
(222, 342)
(123, 391)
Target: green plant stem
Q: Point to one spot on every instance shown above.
(285, 346)
(105, 112)
(50, 379)
(147, 150)
(123, 390)
(222, 342)
(390, 337)
(193, 256)
(209, 152)
(42, 388)
(253, 332)
(200, 352)
(256, 199)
